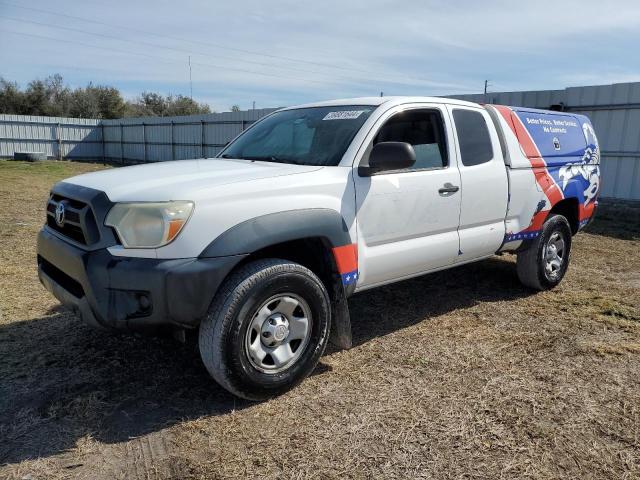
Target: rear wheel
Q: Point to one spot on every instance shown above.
(543, 265)
(266, 329)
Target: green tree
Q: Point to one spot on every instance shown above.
(154, 103)
(11, 98)
(109, 101)
(58, 96)
(96, 101)
(83, 104)
(235, 108)
(52, 97)
(181, 105)
(36, 101)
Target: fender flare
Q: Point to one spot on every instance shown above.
(260, 232)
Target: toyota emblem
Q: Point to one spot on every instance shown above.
(60, 214)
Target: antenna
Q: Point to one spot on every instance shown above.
(190, 82)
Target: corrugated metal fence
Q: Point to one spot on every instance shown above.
(614, 111)
(128, 140)
(56, 136)
(156, 139)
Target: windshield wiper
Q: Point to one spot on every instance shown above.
(262, 159)
(265, 158)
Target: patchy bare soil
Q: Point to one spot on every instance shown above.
(460, 374)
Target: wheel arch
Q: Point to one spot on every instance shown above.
(310, 237)
(568, 207)
(275, 228)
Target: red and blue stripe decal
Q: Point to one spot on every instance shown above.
(346, 258)
(539, 167)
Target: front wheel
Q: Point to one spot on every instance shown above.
(266, 329)
(543, 265)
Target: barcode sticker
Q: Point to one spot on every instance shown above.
(343, 115)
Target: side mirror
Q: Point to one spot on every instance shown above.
(387, 156)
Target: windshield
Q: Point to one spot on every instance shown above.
(305, 136)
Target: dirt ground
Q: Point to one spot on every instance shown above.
(459, 374)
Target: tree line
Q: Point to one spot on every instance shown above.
(51, 97)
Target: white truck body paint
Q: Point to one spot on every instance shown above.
(484, 196)
(178, 180)
(220, 208)
(404, 224)
(401, 224)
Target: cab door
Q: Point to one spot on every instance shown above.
(407, 220)
(485, 186)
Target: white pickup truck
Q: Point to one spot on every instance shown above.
(261, 246)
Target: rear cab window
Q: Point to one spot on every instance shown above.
(473, 137)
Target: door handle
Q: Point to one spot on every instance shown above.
(448, 189)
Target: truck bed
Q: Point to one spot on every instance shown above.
(551, 157)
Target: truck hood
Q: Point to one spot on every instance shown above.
(180, 179)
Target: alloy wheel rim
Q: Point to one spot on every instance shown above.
(554, 254)
(278, 334)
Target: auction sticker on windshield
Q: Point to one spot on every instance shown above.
(344, 115)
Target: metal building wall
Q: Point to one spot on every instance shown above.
(614, 111)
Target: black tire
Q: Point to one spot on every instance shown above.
(531, 263)
(223, 333)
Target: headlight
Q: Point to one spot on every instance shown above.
(148, 225)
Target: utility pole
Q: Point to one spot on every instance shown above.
(190, 82)
(486, 85)
(382, 94)
(254, 105)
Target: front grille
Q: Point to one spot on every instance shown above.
(79, 222)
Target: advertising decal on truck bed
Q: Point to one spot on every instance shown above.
(564, 155)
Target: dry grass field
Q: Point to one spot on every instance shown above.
(459, 374)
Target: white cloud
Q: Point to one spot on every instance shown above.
(346, 48)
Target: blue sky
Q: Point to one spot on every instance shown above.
(280, 53)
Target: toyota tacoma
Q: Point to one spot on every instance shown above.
(260, 247)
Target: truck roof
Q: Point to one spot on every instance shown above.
(546, 112)
(375, 101)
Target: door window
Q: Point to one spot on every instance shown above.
(424, 130)
(473, 137)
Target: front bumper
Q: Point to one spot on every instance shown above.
(129, 293)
